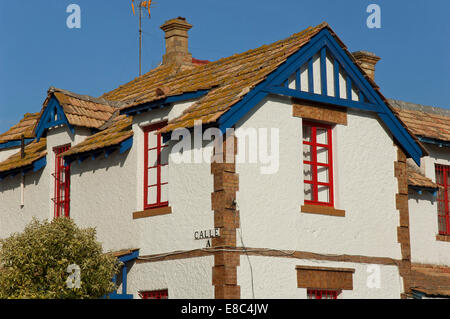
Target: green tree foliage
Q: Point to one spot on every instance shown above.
(34, 263)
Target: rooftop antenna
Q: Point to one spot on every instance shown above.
(142, 4)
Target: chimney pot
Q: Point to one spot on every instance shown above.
(367, 61)
(176, 35)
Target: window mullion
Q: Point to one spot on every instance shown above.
(314, 164)
(158, 176)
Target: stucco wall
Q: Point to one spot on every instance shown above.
(184, 279)
(364, 184)
(39, 187)
(6, 153)
(424, 228)
(276, 278)
(424, 217)
(190, 188)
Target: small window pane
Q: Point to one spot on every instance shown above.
(322, 135)
(322, 174)
(323, 194)
(307, 133)
(308, 192)
(152, 176)
(164, 173)
(152, 158)
(307, 172)
(152, 194)
(164, 193)
(307, 153)
(322, 155)
(165, 151)
(152, 140)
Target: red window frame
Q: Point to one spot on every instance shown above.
(155, 294)
(159, 183)
(61, 198)
(314, 164)
(443, 198)
(322, 294)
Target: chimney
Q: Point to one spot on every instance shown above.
(177, 42)
(367, 61)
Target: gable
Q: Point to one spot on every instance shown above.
(52, 116)
(321, 71)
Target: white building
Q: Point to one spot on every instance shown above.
(333, 205)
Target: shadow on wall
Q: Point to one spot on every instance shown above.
(13, 182)
(426, 196)
(99, 163)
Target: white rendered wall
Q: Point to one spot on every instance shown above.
(39, 188)
(6, 153)
(364, 184)
(102, 193)
(425, 249)
(190, 188)
(424, 217)
(276, 278)
(184, 278)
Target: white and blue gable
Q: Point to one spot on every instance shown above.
(52, 116)
(339, 81)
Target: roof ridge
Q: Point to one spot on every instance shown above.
(419, 107)
(88, 98)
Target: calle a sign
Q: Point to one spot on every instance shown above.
(207, 234)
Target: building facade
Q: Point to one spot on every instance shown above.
(280, 172)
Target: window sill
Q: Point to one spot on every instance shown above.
(443, 238)
(153, 212)
(322, 210)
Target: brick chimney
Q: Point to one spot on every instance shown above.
(367, 61)
(177, 42)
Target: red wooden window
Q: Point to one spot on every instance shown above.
(156, 173)
(443, 198)
(322, 294)
(157, 294)
(317, 164)
(61, 198)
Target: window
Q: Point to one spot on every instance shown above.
(157, 294)
(317, 164)
(322, 294)
(443, 198)
(156, 173)
(61, 198)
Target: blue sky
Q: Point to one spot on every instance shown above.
(38, 50)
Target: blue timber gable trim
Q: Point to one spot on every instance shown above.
(434, 141)
(124, 259)
(138, 109)
(35, 167)
(17, 143)
(419, 190)
(122, 147)
(370, 100)
(53, 116)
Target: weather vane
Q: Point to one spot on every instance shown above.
(142, 4)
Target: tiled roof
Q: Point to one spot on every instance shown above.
(431, 280)
(117, 130)
(24, 127)
(33, 152)
(417, 179)
(425, 121)
(83, 110)
(228, 79)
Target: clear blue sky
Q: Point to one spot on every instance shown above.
(38, 50)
